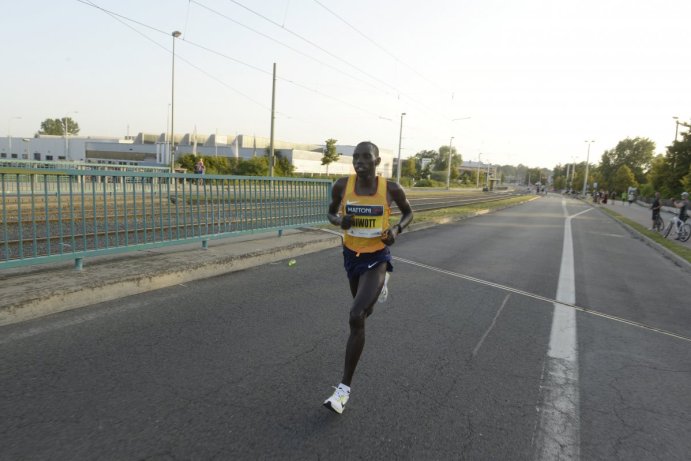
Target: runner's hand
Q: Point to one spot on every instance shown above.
(389, 236)
(347, 221)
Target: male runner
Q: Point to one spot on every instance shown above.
(360, 205)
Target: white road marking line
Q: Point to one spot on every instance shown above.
(494, 321)
(527, 294)
(558, 435)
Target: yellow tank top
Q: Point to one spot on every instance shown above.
(371, 217)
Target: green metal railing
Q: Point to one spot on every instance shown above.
(60, 214)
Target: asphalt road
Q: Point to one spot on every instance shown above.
(456, 366)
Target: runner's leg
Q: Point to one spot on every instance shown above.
(367, 290)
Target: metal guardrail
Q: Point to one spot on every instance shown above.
(51, 215)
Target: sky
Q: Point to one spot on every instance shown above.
(511, 81)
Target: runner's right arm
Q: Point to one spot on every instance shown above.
(344, 222)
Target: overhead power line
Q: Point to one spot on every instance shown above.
(124, 19)
(372, 41)
(295, 50)
(306, 40)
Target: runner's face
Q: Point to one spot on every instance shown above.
(364, 160)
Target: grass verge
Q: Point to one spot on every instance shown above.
(679, 250)
(460, 212)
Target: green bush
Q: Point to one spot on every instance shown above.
(429, 183)
(646, 191)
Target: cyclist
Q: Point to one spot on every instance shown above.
(683, 206)
(656, 210)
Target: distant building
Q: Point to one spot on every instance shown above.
(147, 149)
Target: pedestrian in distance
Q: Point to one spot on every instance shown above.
(683, 206)
(360, 205)
(656, 206)
(200, 168)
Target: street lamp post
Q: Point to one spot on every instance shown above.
(448, 170)
(175, 35)
(448, 173)
(676, 130)
(400, 139)
(67, 134)
(67, 146)
(477, 183)
(9, 133)
(587, 161)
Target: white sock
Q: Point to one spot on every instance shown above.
(343, 387)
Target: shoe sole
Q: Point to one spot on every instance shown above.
(327, 404)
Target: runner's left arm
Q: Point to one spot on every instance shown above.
(397, 195)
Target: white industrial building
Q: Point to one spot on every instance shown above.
(153, 150)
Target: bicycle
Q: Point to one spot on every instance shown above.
(683, 231)
(658, 224)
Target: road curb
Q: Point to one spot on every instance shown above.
(52, 301)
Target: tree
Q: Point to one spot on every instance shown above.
(425, 161)
(330, 154)
(677, 165)
(282, 166)
(409, 168)
(56, 126)
(255, 166)
(636, 153)
(624, 178)
(686, 181)
(443, 161)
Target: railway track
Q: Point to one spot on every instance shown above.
(61, 230)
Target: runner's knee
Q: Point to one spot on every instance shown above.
(357, 319)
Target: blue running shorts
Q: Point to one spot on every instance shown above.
(356, 265)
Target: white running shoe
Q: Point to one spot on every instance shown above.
(338, 400)
(385, 289)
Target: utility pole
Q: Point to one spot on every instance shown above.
(273, 117)
(587, 160)
(448, 171)
(400, 138)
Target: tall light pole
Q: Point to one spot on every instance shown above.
(67, 146)
(448, 170)
(676, 131)
(448, 173)
(587, 160)
(400, 139)
(273, 118)
(175, 34)
(477, 184)
(489, 165)
(9, 133)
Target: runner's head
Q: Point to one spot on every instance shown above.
(366, 158)
(684, 195)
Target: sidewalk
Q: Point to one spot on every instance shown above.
(640, 213)
(35, 291)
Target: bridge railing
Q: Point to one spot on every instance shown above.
(53, 214)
